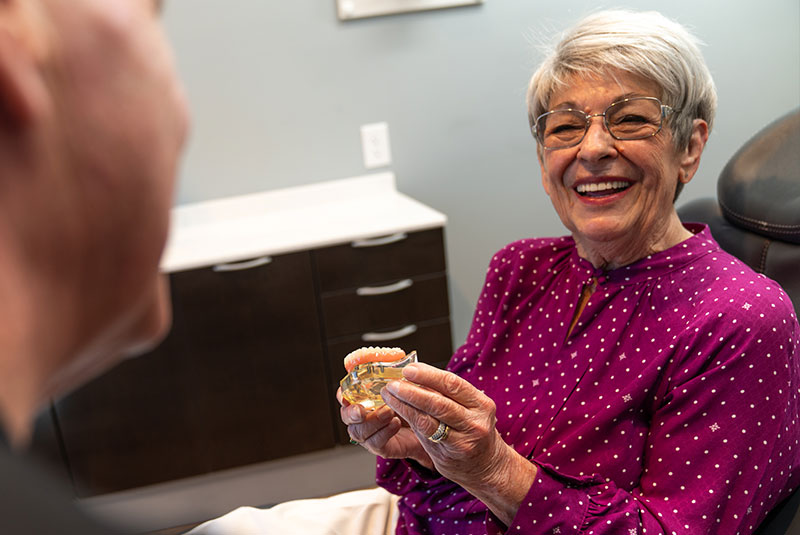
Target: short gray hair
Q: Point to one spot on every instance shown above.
(643, 43)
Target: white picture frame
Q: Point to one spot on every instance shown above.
(359, 9)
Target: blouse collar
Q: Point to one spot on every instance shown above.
(657, 264)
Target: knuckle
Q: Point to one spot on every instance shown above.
(452, 384)
(419, 421)
(491, 408)
(483, 428)
(359, 431)
(352, 432)
(344, 414)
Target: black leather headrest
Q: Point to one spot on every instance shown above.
(759, 189)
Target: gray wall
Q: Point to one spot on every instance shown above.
(280, 88)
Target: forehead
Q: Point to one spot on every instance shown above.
(589, 91)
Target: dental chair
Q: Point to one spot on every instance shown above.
(756, 217)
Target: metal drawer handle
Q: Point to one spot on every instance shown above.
(388, 289)
(375, 242)
(247, 264)
(393, 335)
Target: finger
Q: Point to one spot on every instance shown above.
(446, 383)
(428, 402)
(377, 441)
(352, 414)
(362, 430)
(421, 422)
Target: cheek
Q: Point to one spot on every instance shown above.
(553, 169)
(664, 182)
(656, 165)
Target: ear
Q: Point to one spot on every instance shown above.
(690, 160)
(23, 93)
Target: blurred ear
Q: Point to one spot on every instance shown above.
(690, 159)
(23, 94)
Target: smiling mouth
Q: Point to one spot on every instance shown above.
(602, 189)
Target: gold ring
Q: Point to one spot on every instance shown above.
(440, 434)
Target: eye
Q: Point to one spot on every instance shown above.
(564, 123)
(630, 118)
(566, 127)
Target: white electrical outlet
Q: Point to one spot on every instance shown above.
(375, 145)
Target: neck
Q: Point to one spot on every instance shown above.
(619, 252)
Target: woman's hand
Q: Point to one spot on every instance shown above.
(381, 432)
(473, 454)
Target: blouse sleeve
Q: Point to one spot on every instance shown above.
(722, 443)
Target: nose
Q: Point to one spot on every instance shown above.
(597, 143)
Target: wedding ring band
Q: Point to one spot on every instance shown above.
(440, 434)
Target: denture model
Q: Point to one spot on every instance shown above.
(369, 369)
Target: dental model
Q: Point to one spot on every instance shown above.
(369, 369)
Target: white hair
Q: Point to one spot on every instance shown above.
(643, 43)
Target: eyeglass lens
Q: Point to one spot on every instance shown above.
(635, 118)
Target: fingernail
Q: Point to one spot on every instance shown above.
(410, 372)
(355, 414)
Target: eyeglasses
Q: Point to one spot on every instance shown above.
(627, 119)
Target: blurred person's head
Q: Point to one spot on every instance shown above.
(92, 123)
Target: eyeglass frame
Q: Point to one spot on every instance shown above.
(665, 111)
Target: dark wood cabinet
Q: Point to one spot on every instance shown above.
(243, 355)
(249, 370)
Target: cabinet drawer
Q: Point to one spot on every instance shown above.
(380, 307)
(372, 261)
(432, 341)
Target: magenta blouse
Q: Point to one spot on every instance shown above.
(672, 407)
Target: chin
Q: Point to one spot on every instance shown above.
(78, 371)
(147, 341)
(603, 230)
(153, 323)
(137, 331)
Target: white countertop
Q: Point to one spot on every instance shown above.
(292, 219)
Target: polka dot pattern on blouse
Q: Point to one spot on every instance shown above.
(670, 407)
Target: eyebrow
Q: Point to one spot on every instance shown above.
(159, 5)
(574, 106)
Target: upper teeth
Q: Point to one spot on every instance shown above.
(601, 186)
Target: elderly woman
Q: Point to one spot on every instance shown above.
(629, 378)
